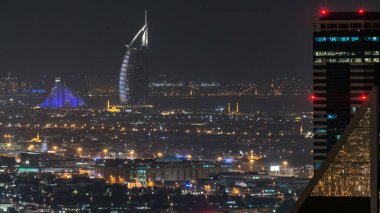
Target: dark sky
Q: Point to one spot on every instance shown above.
(250, 40)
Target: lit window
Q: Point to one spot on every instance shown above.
(376, 60)
(355, 53)
(331, 60)
(372, 38)
(320, 53)
(343, 60)
(368, 60)
(317, 165)
(375, 52)
(331, 116)
(338, 137)
(343, 53)
(353, 39)
(320, 39)
(320, 130)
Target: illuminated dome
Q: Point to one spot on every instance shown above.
(62, 97)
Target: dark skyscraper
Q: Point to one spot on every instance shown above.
(346, 67)
(133, 81)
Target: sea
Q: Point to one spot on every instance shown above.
(247, 104)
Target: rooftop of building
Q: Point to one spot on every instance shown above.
(361, 14)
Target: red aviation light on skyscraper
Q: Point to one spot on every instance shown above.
(361, 11)
(312, 97)
(323, 11)
(363, 97)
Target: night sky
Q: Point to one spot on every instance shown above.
(223, 40)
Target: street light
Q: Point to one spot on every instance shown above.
(251, 161)
(79, 150)
(31, 147)
(285, 163)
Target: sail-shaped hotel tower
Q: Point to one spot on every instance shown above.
(133, 81)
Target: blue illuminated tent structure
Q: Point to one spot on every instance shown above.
(62, 97)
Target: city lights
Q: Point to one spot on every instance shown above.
(230, 116)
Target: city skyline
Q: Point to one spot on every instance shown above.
(243, 106)
(197, 40)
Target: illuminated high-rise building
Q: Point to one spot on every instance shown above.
(346, 66)
(347, 180)
(133, 80)
(346, 123)
(9, 87)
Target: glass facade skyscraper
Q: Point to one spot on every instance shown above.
(346, 66)
(346, 79)
(347, 180)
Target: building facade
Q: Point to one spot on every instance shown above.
(347, 180)
(133, 79)
(158, 170)
(9, 87)
(346, 66)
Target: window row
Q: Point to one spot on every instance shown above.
(346, 60)
(345, 53)
(354, 25)
(346, 39)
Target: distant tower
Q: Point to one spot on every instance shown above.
(133, 79)
(237, 107)
(229, 108)
(36, 139)
(108, 105)
(301, 130)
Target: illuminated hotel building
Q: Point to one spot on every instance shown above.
(62, 97)
(346, 66)
(133, 79)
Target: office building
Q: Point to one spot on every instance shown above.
(9, 87)
(133, 79)
(346, 66)
(347, 180)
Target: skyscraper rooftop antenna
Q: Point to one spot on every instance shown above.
(146, 18)
(145, 35)
(143, 32)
